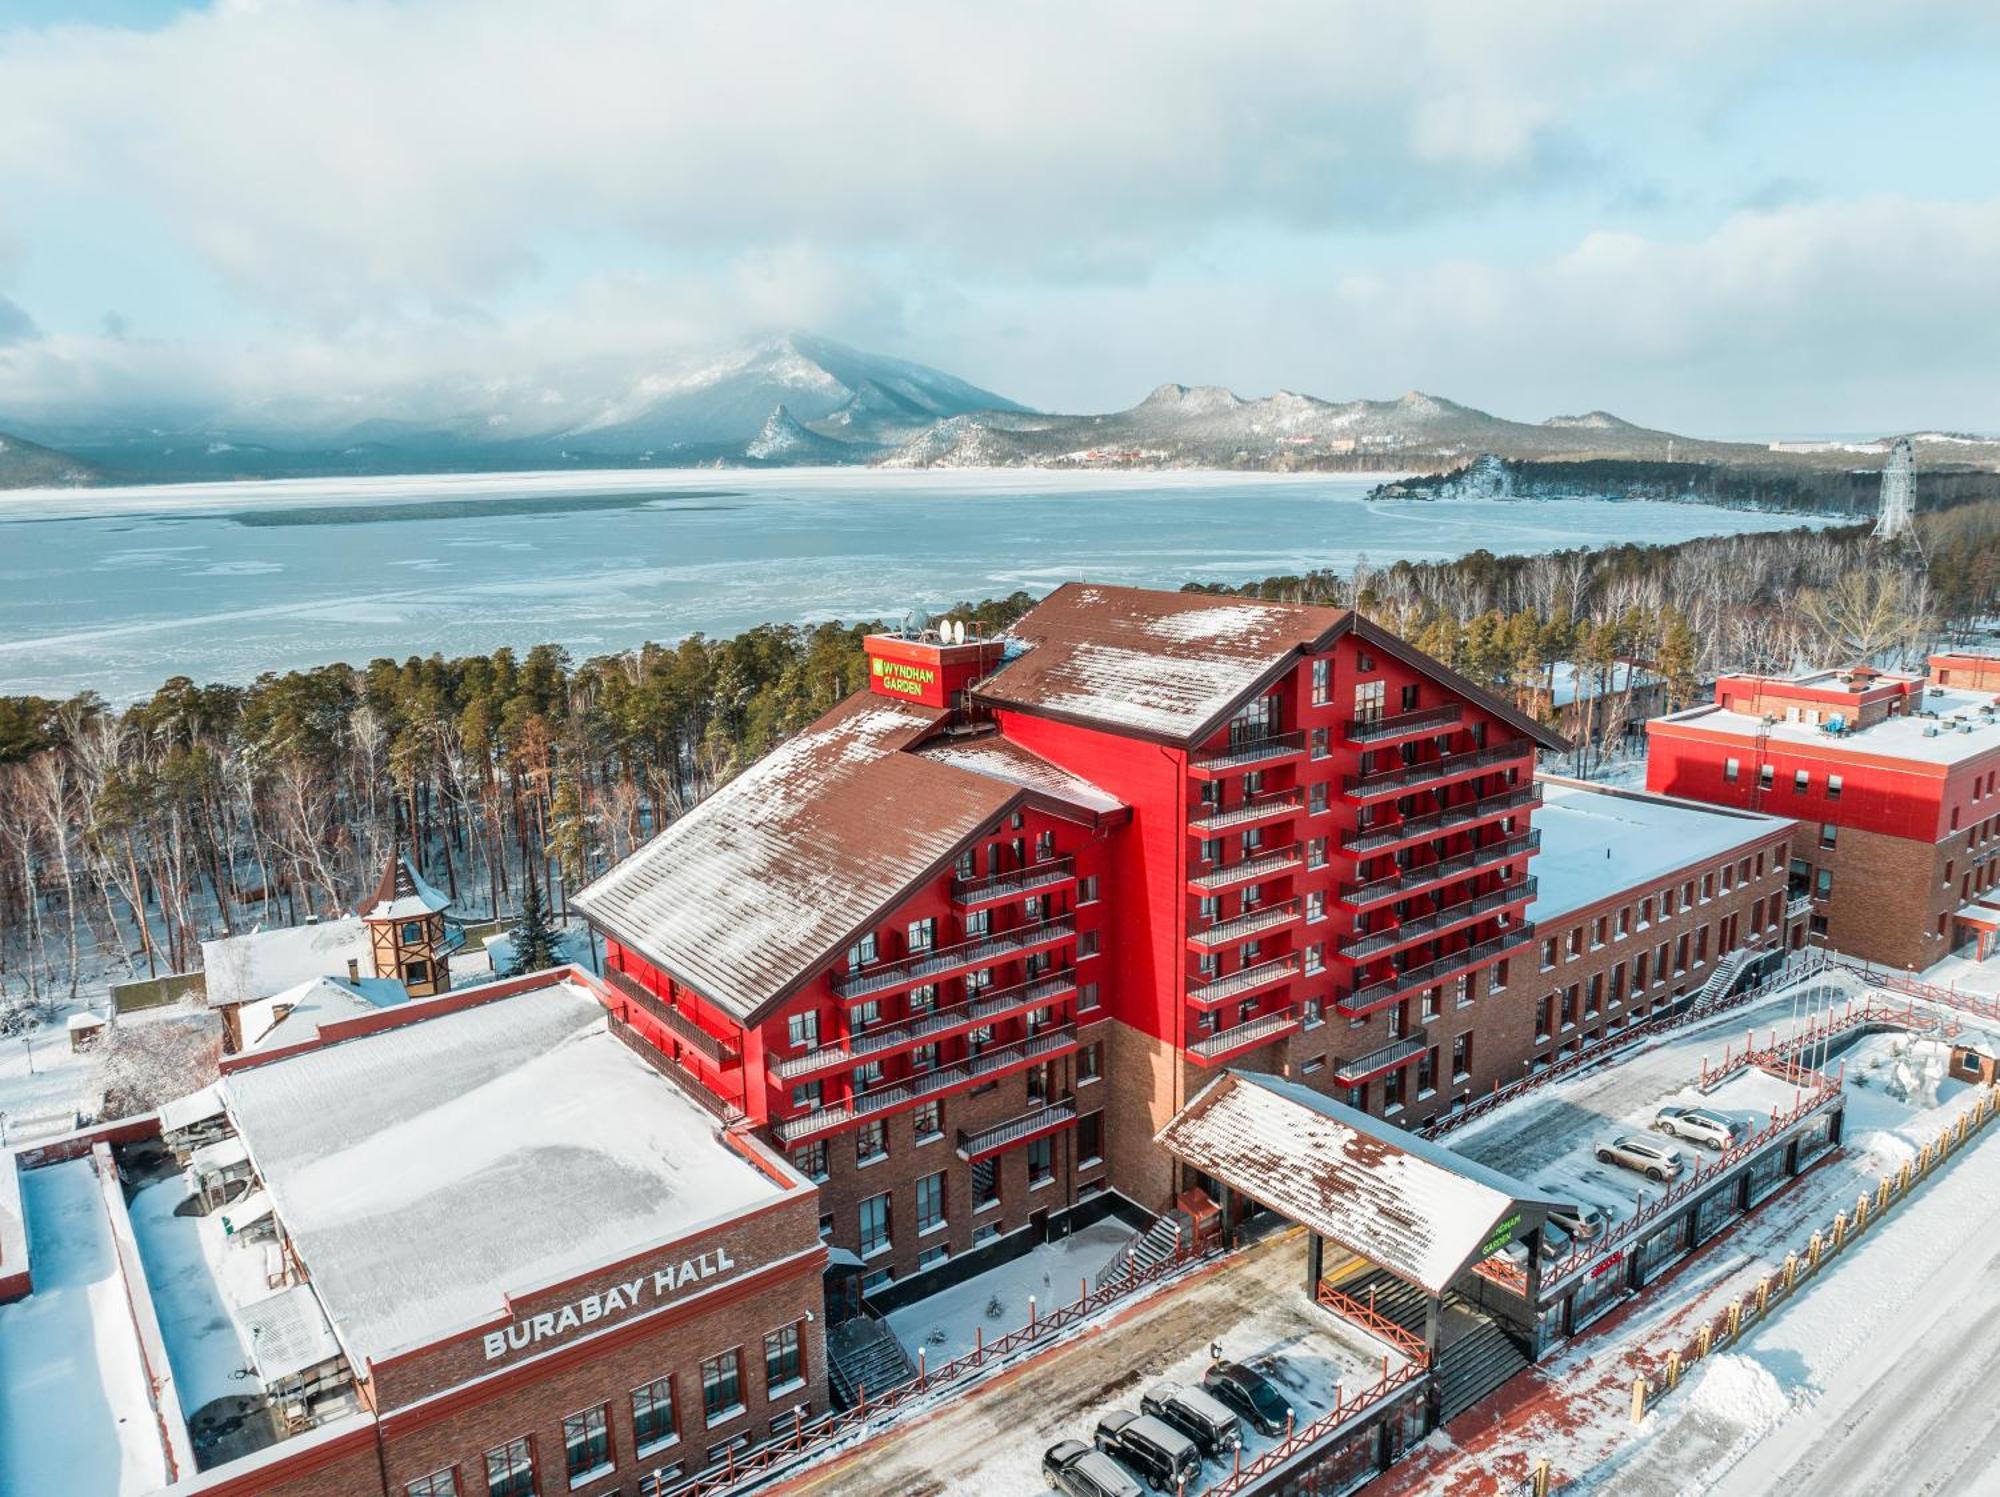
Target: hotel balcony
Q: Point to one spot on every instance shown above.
(1373, 730)
(1229, 1043)
(971, 893)
(1246, 980)
(1384, 991)
(948, 961)
(1437, 922)
(985, 1066)
(1430, 875)
(1379, 1062)
(1247, 753)
(940, 1024)
(1036, 1123)
(1247, 813)
(1265, 863)
(1266, 917)
(715, 1050)
(1451, 819)
(1404, 777)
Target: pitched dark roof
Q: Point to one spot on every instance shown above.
(402, 893)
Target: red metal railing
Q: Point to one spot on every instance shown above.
(1248, 1476)
(1347, 1307)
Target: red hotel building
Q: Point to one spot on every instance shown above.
(1148, 835)
(1897, 781)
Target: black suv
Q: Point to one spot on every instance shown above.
(1157, 1451)
(1251, 1394)
(1074, 1468)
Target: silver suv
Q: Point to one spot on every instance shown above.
(1699, 1125)
(1634, 1151)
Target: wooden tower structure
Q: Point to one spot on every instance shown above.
(407, 937)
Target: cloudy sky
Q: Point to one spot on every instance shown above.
(1738, 218)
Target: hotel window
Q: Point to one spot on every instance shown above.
(587, 1443)
(977, 923)
(927, 1120)
(1315, 904)
(1211, 849)
(1576, 942)
(1461, 1057)
(1316, 853)
(1315, 1011)
(1315, 957)
(930, 1203)
(1411, 695)
(862, 952)
(806, 1096)
(1833, 787)
(1316, 798)
(1666, 904)
(803, 1030)
(1209, 965)
(1828, 833)
(977, 982)
(922, 1000)
(985, 1185)
(782, 1364)
(1086, 889)
(1090, 1062)
(1600, 929)
(1548, 954)
(810, 1159)
(1041, 1161)
(968, 863)
(510, 1469)
(1801, 782)
(1090, 1138)
(1433, 1003)
(874, 1213)
(1322, 679)
(1729, 769)
(930, 1257)
(870, 1143)
(1766, 776)
(1392, 1091)
(1369, 698)
(1645, 913)
(924, 1058)
(1625, 922)
(1545, 1015)
(922, 934)
(868, 1074)
(1427, 1070)
(1639, 972)
(722, 1386)
(864, 1016)
(1707, 887)
(1319, 746)
(437, 1484)
(1086, 997)
(1253, 784)
(1823, 884)
(1086, 943)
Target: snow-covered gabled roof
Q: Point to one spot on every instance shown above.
(1000, 759)
(773, 876)
(298, 1013)
(260, 963)
(403, 894)
(1412, 1206)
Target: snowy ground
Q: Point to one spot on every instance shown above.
(1892, 1335)
(74, 1421)
(990, 1443)
(45, 1089)
(199, 1280)
(945, 1325)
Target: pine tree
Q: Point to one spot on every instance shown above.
(534, 933)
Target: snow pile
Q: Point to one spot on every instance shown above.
(1739, 1390)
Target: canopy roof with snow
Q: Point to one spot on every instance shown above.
(1414, 1207)
(427, 1171)
(771, 878)
(1173, 666)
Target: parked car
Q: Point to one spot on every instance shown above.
(1699, 1125)
(1634, 1151)
(1583, 1223)
(1074, 1468)
(1157, 1451)
(1252, 1395)
(1196, 1413)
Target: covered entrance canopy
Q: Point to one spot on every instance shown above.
(1413, 1207)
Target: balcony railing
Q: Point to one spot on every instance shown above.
(1379, 839)
(1246, 980)
(1238, 927)
(1013, 883)
(1258, 750)
(1419, 926)
(1408, 776)
(989, 1008)
(972, 1069)
(944, 961)
(1259, 1031)
(1060, 1113)
(1374, 729)
(1375, 1062)
(1797, 905)
(690, 1082)
(1366, 999)
(715, 1050)
(1266, 864)
(1249, 812)
(1428, 875)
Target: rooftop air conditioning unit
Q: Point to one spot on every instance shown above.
(1930, 730)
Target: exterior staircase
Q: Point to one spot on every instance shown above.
(1391, 1298)
(1727, 969)
(1473, 1366)
(1159, 1243)
(864, 1356)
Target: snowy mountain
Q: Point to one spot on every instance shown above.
(784, 439)
(25, 464)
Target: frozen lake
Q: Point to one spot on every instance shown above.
(117, 589)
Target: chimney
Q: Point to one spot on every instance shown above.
(353, 969)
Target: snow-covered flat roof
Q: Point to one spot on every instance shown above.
(1949, 729)
(1597, 842)
(426, 1171)
(258, 964)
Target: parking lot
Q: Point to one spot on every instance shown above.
(990, 1444)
